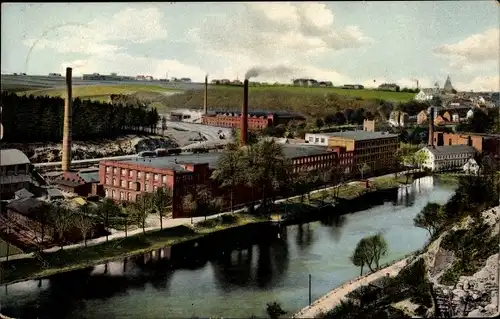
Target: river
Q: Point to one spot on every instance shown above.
(239, 285)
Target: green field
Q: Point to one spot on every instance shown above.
(100, 92)
(13, 250)
(366, 94)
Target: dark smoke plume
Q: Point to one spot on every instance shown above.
(280, 71)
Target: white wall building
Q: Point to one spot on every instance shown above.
(317, 138)
(447, 157)
(471, 167)
(426, 94)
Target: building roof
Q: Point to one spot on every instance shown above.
(450, 149)
(90, 176)
(360, 135)
(24, 193)
(257, 113)
(25, 206)
(13, 157)
(54, 192)
(175, 163)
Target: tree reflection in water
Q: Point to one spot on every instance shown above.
(335, 223)
(305, 236)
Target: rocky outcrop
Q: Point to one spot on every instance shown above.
(476, 295)
(127, 145)
(472, 296)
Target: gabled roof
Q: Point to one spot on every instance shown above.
(25, 206)
(53, 192)
(23, 193)
(13, 157)
(451, 149)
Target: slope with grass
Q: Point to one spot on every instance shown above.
(13, 250)
(312, 102)
(102, 91)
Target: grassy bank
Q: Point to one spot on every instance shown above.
(13, 250)
(99, 91)
(364, 94)
(78, 258)
(352, 191)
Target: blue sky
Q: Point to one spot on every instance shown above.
(342, 42)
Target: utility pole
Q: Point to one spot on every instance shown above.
(310, 296)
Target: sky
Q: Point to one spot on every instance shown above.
(357, 42)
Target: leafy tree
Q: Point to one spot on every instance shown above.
(369, 250)
(430, 218)
(363, 169)
(162, 200)
(319, 123)
(274, 310)
(200, 202)
(379, 246)
(30, 118)
(141, 208)
(229, 172)
(163, 125)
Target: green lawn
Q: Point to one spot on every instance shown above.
(13, 250)
(99, 92)
(67, 260)
(366, 94)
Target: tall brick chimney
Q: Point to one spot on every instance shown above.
(244, 115)
(66, 147)
(205, 102)
(431, 127)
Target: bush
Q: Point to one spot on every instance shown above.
(228, 219)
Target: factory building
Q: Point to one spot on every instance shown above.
(257, 120)
(375, 149)
(14, 172)
(124, 180)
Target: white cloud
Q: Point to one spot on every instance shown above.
(264, 33)
(95, 40)
(472, 52)
(132, 25)
(131, 65)
(480, 83)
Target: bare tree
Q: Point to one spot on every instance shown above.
(43, 216)
(63, 220)
(84, 222)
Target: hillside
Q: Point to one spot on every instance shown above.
(313, 102)
(455, 275)
(103, 92)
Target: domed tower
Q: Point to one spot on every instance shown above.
(448, 88)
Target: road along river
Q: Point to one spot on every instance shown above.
(234, 284)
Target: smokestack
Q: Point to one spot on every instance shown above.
(244, 115)
(431, 127)
(66, 147)
(205, 102)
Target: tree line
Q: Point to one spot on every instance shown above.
(40, 118)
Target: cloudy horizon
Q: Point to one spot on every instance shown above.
(343, 42)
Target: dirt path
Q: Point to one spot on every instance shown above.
(333, 298)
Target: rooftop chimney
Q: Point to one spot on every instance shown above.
(205, 102)
(244, 115)
(66, 145)
(431, 127)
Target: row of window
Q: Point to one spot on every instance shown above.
(453, 156)
(123, 172)
(377, 142)
(121, 196)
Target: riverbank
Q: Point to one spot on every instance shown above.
(333, 298)
(83, 257)
(335, 201)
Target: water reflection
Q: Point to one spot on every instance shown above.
(335, 224)
(210, 278)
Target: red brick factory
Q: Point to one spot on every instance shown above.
(124, 180)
